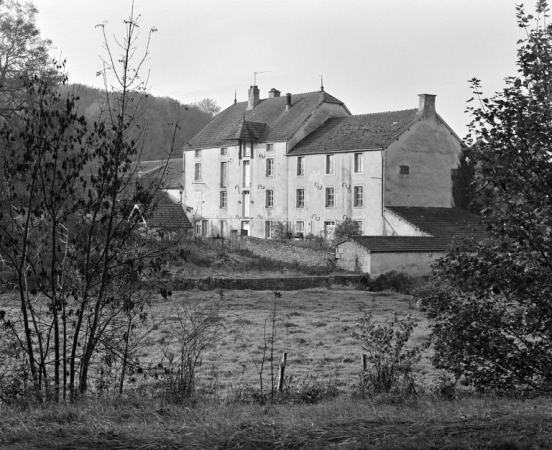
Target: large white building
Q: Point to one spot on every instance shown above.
(305, 161)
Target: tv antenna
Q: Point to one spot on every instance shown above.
(255, 76)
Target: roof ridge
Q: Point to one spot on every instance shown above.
(383, 112)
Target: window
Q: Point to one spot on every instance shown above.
(269, 147)
(358, 198)
(358, 224)
(269, 198)
(330, 197)
(454, 173)
(405, 170)
(270, 167)
(224, 174)
(300, 228)
(197, 173)
(300, 166)
(246, 151)
(358, 163)
(330, 164)
(246, 173)
(197, 153)
(269, 230)
(223, 151)
(300, 198)
(223, 199)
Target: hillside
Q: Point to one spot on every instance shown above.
(160, 115)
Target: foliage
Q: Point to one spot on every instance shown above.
(158, 114)
(195, 329)
(391, 361)
(391, 281)
(490, 300)
(345, 229)
(23, 54)
(281, 230)
(463, 189)
(67, 232)
(207, 106)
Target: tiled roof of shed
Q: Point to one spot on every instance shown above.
(366, 131)
(280, 124)
(402, 244)
(169, 217)
(442, 222)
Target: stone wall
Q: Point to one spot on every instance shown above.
(262, 284)
(287, 252)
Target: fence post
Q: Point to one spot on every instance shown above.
(364, 362)
(281, 372)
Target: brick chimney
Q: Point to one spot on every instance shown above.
(253, 97)
(273, 93)
(427, 105)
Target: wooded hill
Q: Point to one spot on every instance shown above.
(160, 115)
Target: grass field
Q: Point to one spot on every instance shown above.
(314, 327)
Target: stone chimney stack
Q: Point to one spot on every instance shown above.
(288, 101)
(273, 93)
(427, 106)
(253, 97)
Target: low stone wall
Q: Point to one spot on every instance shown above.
(263, 284)
(284, 251)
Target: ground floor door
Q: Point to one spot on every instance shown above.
(245, 228)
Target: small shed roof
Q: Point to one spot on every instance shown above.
(443, 224)
(402, 244)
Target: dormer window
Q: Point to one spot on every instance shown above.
(247, 151)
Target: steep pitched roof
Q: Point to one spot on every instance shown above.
(361, 132)
(169, 217)
(168, 214)
(280, 124)
(442, 222)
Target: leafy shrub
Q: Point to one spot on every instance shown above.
(391, 281)
(391, 361)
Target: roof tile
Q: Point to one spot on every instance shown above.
(360, 132)
(280, 125)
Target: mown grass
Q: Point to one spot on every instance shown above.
(474, 423)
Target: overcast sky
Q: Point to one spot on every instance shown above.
(374, 55)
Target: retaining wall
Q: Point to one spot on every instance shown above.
(263, 284)
(284, 251)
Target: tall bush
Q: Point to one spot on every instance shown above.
(491, 300)
(67, 233)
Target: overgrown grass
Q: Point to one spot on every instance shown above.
(132, 422)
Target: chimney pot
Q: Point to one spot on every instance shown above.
(427, 105)
(273, 93)
(288, 101)
(253, 99)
